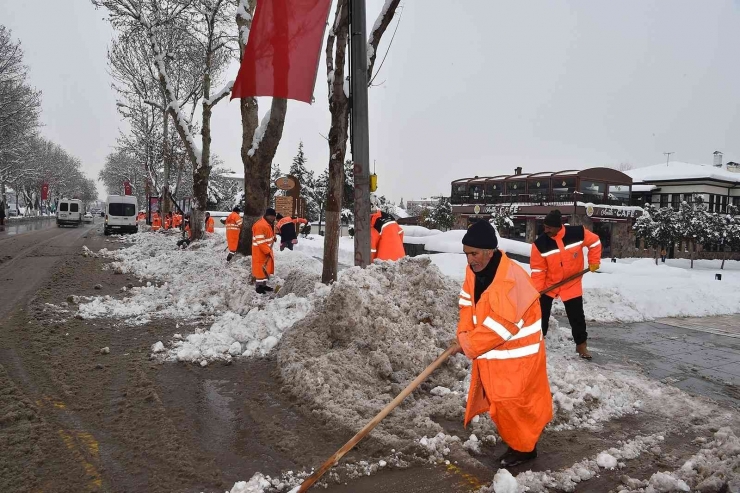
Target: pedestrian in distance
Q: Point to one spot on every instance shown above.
(233, 227)
(557, 254)
(209, 224)
(663, 254)
(2, 215)
(263, 259)
(500, 330)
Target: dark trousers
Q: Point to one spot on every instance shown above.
(287, 245)
(576, 317)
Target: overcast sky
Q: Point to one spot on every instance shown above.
(476, 89)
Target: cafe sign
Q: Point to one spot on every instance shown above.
(615, 212)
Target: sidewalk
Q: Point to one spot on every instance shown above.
(691, 353)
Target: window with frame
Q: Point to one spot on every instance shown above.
(675, 200)
(663, 200)
(64, 207)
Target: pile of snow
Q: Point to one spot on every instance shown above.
(374, 333)
(313, 246)
(451, 242)
(197, 285)
(715, 468)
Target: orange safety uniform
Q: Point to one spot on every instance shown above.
(176, 220)
(210, 225)
(263, 236)
(156, 222)
(386, 237)
(233, 227)
(502, 334)
(167, 222)
(141, 216)
(554, 259)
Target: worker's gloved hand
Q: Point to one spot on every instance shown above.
(456, 345)
(593, 267)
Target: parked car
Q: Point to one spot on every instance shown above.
(120, 214)
(87, 218)
(69, 212)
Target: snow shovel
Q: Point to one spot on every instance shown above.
(334, 459)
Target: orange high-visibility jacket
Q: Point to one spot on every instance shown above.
(263, 236)
(156, 222)
(554, 259)
(386, 238)
(176, 220)
(281, 223)
(233, 226)
(210, 225)
(502, 334)
(141, 216)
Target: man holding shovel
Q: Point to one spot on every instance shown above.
(263, 261)
(500, 330)
(556, 255)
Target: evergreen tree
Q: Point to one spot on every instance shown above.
(274, 191)
(502, 218)
(402, 204)
(298, 168)
(657, 227)
(441, 214)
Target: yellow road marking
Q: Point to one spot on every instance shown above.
(471, 480)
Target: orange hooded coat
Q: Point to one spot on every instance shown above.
(554, 259)
(263, 236)
(386, 238)
(233, 226)
(502, 334)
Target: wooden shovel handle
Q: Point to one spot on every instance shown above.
(566, 280)
(309, 481)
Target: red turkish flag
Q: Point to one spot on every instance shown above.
(282, 54)
(44, 191)
(126, 188)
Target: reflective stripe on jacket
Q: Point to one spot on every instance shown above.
(233, 227)
(263, 236)
(502, 334)
(554, 259)
(386, 238)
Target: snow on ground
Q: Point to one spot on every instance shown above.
(198, 286)
(313, 246)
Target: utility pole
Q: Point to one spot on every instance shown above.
(360, 130)
(667, 157)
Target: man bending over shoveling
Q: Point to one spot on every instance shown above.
(500, 329)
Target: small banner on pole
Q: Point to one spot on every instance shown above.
(126, 188)
(281, 58)
(45, 191)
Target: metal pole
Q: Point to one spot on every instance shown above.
(360, 130)
(667, 157)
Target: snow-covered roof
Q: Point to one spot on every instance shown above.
(643, 188)
(677, 170)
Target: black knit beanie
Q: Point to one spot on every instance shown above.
(481, 235)
(554, 219)
(270, 212)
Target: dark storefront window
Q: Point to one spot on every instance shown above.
(538, 189)
(711, 202)
(476, 193)
(516, 189)
(519, 230)
(604, 231)
(663, 200)
(592, 191)
(675, 200)
(494, 192)
(619, 194)
(563, 188)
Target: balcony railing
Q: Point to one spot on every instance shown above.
(536, 199)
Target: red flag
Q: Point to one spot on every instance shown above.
(282, 54)
(126, 188)
(44, 191)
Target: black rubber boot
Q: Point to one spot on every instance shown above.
(513, 457)
(261, 289)
(229, 257)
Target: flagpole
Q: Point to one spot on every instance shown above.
(360, 130)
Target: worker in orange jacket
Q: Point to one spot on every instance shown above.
(557, 254)
(210, 225)
(156, 222)
(287, 228)
(500, 331)
(176, 220)
(167, 221)
(233, 227)
(263, 260)
(386, 236)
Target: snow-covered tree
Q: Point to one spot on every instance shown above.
(441, 214)
(298, 168)
(210, 23)
(502, 218)
(402, 204)
(274, 190)
(657, 227)
(693, 222)
(223, 191)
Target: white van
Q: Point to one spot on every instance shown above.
(120, 214)
(69, 212)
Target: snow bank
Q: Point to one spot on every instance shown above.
(715, 468)
(198, 286)
(313, 246)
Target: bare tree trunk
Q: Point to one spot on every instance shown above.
(256, 157)
(166, 162)
(339, 108)
(258, 165)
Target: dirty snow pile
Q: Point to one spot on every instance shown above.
(373, 334)
(714, 469)
(198, 286)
